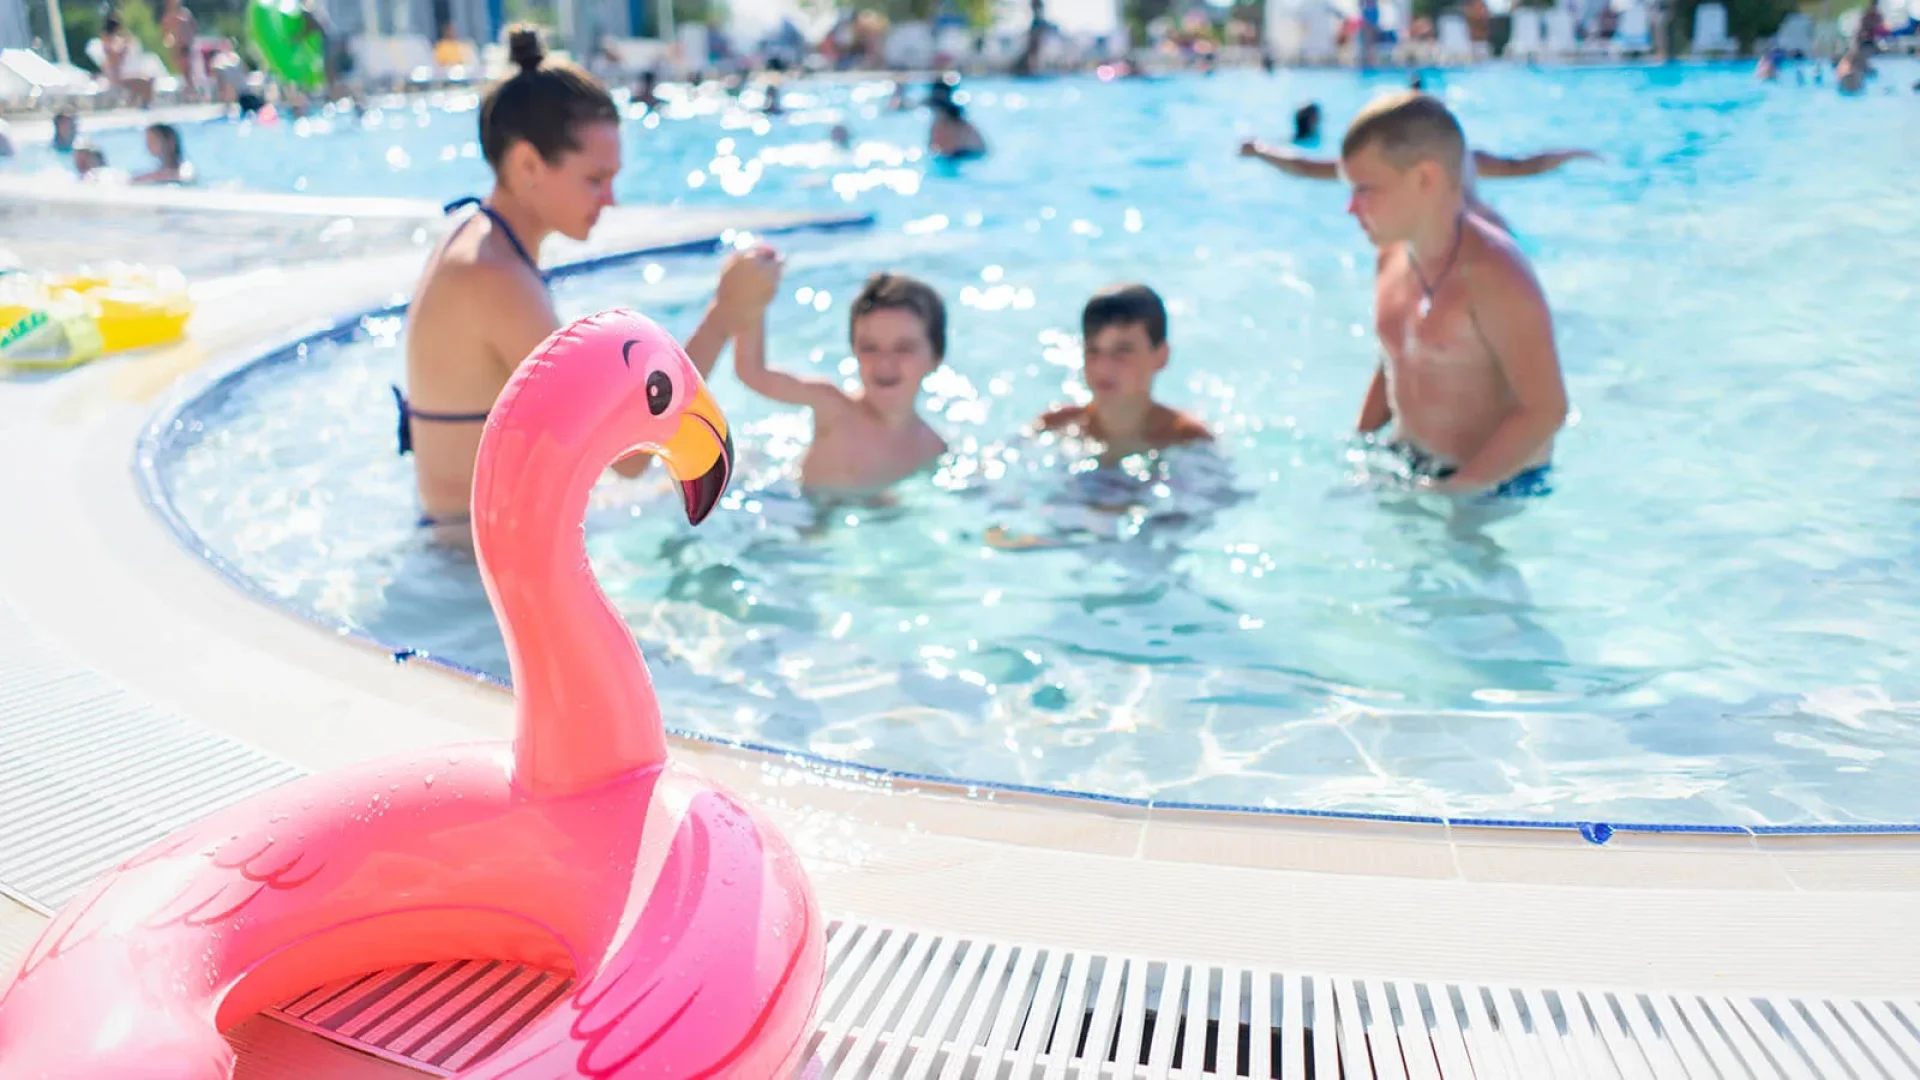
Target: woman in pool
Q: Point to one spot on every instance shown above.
(163, 142)
(953, 136)
(552, 136)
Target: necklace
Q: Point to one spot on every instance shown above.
(1426, 302)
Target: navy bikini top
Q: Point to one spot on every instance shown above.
(408, 413)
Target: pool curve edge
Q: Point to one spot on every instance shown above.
(156, 441)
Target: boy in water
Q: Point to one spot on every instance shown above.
(1124, 347)
(1470, 378)
(872, 439)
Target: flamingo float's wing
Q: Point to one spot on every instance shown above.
(705, 982)
(200, 875)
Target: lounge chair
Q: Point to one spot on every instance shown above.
(37, 80)
(1527, 40)
(1561, 42)
(1633, 35)
(1454, 41)
(1795, 36)
(910, 46)
(1710, 31)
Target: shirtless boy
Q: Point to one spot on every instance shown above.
(1470, 379)
(870, 439)
(1124, 348)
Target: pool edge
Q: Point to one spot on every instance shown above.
(153, 491)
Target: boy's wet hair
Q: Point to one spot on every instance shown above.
(543, 104)
(1125, 305)
(898, 292)
(1409, 127)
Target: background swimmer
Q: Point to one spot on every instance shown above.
(952, 134)
(163, 142)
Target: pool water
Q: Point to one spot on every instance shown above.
(1710, 621)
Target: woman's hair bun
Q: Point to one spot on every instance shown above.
(524, 48)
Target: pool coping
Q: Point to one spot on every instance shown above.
(100, 576)
(155, 439)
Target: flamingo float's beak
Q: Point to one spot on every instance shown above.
(700, 455)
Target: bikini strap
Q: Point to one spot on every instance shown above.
(499, 222)
(408, 414)
(405, 432)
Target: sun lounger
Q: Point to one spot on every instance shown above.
(1633, 36)
(1710, 31)
(1527, 41)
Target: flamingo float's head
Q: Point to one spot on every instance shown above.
(597, 390)
(666, 397)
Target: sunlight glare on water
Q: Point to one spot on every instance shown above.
(1710, 620)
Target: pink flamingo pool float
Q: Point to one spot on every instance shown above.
(686, 919)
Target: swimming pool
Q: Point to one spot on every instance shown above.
(1709, 622)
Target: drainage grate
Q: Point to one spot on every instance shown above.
(89, 774)
(905, 1005)
(440, 1017)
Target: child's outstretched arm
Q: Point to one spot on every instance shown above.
(748, 280)
(1290, 162)
(1494, 165)
(750, 363)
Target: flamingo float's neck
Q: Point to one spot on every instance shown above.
(586, 711)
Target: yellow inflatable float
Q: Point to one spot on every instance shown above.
(60, 322)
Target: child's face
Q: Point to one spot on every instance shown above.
(1121, 361)
(894, 354)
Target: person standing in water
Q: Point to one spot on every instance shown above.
(551, 134)
(952, 135)
(1470, 379)
(170, 158)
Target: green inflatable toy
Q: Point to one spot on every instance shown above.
(294, 51)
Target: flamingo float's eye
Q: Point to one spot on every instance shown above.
(659, 392)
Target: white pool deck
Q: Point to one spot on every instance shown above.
(94, 574)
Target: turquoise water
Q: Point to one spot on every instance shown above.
(1710, 621)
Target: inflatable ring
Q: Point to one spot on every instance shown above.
(60, 322)
(292, 49)
(687, 921)
(46, 339)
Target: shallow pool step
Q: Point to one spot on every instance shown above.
(905, 1005)
(90, 774)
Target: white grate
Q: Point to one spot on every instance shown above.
(89, 774)
(906, 1005)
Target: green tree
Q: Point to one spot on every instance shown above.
(529, 11)
(1141, 13)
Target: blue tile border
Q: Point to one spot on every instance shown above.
(157, 439)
